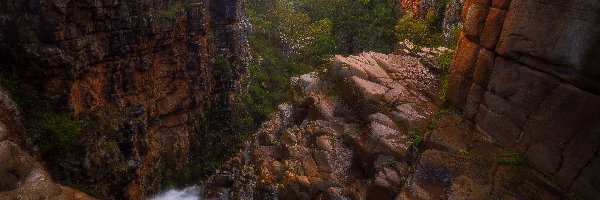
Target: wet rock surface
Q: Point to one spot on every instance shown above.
(343, 137)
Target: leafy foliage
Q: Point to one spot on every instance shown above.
(358, 25)
(390, 163)
(409, 28)
(171, 11)
(444, 60)
(55, 134)
(283, 43)
(436, 118)
(426, 32)
(290, 38)
(415, 139)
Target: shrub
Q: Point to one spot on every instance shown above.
(390, 163)
(415, 139)
(172, 10)
(444, 60)
(426, 32)
(415, 30)
(436, 118)
(56, 133)
(452, 38)
(221, 65)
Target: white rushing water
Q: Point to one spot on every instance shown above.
(189, 193)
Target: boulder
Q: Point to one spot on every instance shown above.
(410, 116)
(22, 176)
(370, 91)
(388, 140)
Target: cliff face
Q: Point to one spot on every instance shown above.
(153, 80)
(526, 72)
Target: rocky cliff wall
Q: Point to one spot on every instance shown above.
(527, 73)
(153, 80)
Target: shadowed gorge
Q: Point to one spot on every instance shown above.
(299, 99)
(143, 78)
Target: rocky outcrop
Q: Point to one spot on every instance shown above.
(368, 129)
(154, 81)
(22, 177)
(534, 85)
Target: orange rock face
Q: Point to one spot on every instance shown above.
(154, 81)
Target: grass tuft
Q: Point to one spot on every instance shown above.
(415, 139)
(390, 163)
(510, 157)
(55, 134)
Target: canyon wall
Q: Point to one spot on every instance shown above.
(527, 73)
(154, 82)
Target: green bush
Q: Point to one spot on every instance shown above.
(426, 32)
(390, 163)
(415, 30)
(221, 65)
(366, 25)
(452, 39)
(444, 60)
(56, 133)
(290, 38)
(172, 10)
(415, 139)
(436, 118)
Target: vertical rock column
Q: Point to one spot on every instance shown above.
(527, 73)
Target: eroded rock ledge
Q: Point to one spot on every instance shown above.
(353, 133)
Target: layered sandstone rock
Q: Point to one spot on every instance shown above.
(526, 72)
(154, 80)
(350, 134)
